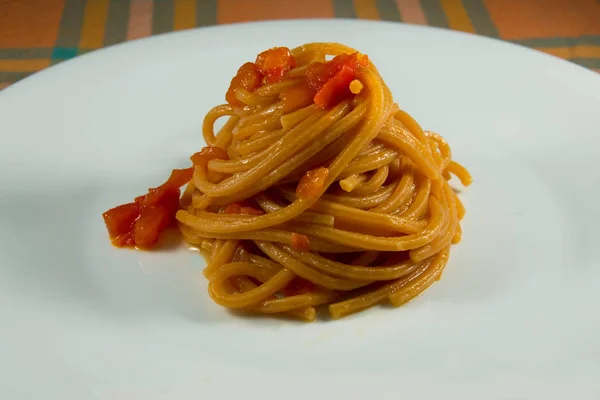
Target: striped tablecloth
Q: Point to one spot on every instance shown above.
(35, 34)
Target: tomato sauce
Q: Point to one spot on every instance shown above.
(300, 242)
(312, 183)
(326, 83)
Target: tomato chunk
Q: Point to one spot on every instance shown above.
(336, 88)
(120, 219)
(180, 177)
(312, 183)
(300, 242)
(151, 222)
(331, 80)
(141, 222)
(126, 240)
(248, 77)
(208, 153)
(275, 63)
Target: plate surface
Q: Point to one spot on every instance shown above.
(515, 315)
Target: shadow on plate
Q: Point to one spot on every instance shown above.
(54, 251)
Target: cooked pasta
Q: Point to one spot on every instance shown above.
(319, 190)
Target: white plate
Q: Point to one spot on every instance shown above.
(515, 316)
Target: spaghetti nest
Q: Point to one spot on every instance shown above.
(319, 190)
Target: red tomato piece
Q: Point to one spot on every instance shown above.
(170, 201)
(248, 77)
(141, 222)
(300, 242)
(208, 153)
(152, 221)
(275, 63)
(275, 75)
(312, 183)
(180, 177)
(120, 219)
(124, 240)
(336, 88)
(317, 74)
(330, 80)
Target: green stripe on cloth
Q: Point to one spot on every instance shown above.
(64, 53)
(162, 16)
(116, 24)
(434, 14)
(69, 30)
(206, 12)
(388, 10)
(480, 18)
(343, 9)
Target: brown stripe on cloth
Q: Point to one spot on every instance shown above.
(343, 9)
(434, 13)
(206, 12)
(388, 10)
(26, 53)
(480, 17)
(69, 31)
(11, 76)
(162, 17)
(118, 20)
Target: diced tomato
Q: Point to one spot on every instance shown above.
(239, 208)
(317, 74)
(312, 183)
(120, 219)
(141, 222)
(151, 222)
(170, 200)
(336, 88)
(330, 80)
(299, 286)
(208, 153)
(124, 240)
(247, 77)
(300, 242)
(275, 75)
(180, 177)
(275, 63)
(296, 97)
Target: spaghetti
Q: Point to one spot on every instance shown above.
(319, 189)
(339, 198)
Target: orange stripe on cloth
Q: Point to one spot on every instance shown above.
(140, 19)
(29, 23)
(457, 16)
(522, 19)
(366, 9)
(229, 11)
(581, 51)
(94, 24)
(4, 84)
(411, 11)
(184, 14)
(24, 65)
